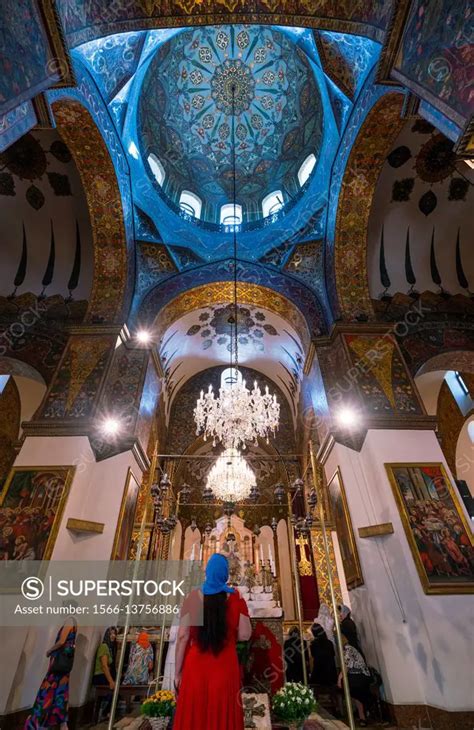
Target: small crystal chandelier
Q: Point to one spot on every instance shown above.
(231, 479)
(237, 415)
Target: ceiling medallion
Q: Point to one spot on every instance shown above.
(237, 415)
(231, 478)
(233, 87)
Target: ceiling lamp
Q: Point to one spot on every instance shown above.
(237, 415)
(231, 479)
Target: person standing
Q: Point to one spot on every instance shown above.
(104, 668)
(140, 663)
(207, 675)
(52, 701)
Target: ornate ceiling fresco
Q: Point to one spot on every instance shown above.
(84, 20)
(202, 338)
(167, 92)
(189, 118)
(419, 234)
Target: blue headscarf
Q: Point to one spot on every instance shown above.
(217, 575)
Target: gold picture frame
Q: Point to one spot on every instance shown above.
(341, 518)
(126, 519)
(437, 530)
(46, 482)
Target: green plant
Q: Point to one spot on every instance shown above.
(293, 702)
(161, 704)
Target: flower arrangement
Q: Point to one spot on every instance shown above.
(161, 704)
(294, 702)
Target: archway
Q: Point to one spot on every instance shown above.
(86, 144)
(363, 167)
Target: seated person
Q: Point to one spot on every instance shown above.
(359, 678)
(292, 656)
(324, 661)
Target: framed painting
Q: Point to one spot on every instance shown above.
(345, 534)
(31, 507)
(436, 527)
(126, 518)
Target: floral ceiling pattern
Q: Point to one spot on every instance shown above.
(211, 90)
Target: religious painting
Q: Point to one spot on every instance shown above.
(128, 507)
(31, 506)
(345, 534)
(437, 530)
(135, 540)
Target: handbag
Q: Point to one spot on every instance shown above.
(63, 661)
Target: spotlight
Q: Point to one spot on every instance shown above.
(143, 337)
(110, 426)
(347, 417)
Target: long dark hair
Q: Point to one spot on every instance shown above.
(212, 634)
(111, 644)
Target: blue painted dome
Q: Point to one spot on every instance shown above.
(212, 90)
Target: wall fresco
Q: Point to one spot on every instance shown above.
(89, 19)
(435, 56)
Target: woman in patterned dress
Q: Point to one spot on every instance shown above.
(140, 663)
(51, 705)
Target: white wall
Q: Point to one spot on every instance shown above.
(422, 643)
(465, 454)
(95, 494)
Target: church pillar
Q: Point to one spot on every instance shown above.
(94, 477)
(402, 532)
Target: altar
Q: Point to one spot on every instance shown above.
(252, 563)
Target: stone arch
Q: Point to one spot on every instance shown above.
(109, 289)
(462, 360)
(367, 156)
(169, 308)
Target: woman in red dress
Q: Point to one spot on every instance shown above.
(207, 676)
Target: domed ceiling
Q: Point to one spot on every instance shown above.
(210, 88)
(168, 92)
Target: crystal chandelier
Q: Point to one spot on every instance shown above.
(236, 415)
(231, 478)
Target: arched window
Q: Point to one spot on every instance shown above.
(459, 390)
(133, 150)
(190, 203)
(3, 381)
(272, 203)
(306, 169)
(157, 168)
(231, 215)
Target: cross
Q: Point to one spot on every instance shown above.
(304, 565)
(251, 710)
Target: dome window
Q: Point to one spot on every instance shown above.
(157, 169)
(272, 203)
(190, 203)
(306, 169)
(231, 215)
(133, 150)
